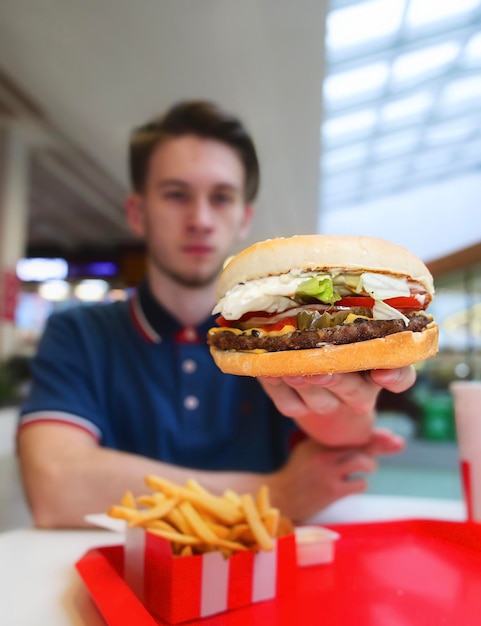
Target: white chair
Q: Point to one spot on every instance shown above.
(14, 511)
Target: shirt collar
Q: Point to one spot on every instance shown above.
(154, 323)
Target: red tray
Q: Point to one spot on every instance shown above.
(411, 573)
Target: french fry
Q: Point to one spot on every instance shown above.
(197, 524)
(262, 501)
(152, 499)
(195, 486)
(176, 518)
(128, 500)
(186, 551)
(255, 522)
(160, 524)
(156, 512)
(177, 537)
(232, 496)
(221, 531)
(234, 546)
(242, 533)
(122, 512)
(271, 521)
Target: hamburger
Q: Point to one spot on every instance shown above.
(322, 304)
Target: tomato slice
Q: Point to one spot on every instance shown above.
(401, 302)
(404, 302)
(221, 321)
(350, 301)
(285, 321)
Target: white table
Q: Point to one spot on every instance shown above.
(39, 583)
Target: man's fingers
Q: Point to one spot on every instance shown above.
(396, 380)
(325, 394)
(354, 462)
(384, 441)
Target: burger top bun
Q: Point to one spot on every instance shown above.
(323, 252)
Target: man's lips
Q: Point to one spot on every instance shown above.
(198, 249)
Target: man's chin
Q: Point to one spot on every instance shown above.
(194, 280)
(190, 275)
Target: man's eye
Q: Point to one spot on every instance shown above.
(175, 195)
(222, 199)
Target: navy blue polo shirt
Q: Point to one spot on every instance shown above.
(130, 375)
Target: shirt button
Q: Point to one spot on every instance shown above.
(191, 403)
(190, 334)
(189, 366)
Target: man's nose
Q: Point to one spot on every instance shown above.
(201, 214)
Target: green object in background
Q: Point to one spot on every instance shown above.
(437, 422)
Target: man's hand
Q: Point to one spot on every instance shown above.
(337, 410)
(314, 476)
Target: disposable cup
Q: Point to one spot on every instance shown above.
(467, 417)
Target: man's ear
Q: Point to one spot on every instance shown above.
(135, 214)
(246, 222)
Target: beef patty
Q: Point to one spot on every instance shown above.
(359, 330)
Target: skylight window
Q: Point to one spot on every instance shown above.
(343, 158)
(363, 23)
(472, 52)
(409, 108)
(429, 12)
(386, 173)
(342, 183)
(423, 63)
(367, 81)
(396, 143)
(462, 91)
(432, 160)
(450, 132)
(355, 124)
(471, 151)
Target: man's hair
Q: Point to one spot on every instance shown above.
(200, 118)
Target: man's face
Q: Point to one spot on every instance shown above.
(192, 211)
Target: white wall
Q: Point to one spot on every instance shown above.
(431, 221)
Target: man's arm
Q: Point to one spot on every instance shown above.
(67, 475)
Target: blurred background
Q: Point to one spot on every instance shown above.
(367, 117)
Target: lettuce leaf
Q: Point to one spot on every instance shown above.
(383, 286)
(319, 287)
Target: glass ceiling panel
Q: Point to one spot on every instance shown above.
(363, 22)
(431, 160)
(343, 158)
(464, 91)
(396, 143)
(387, 172)
(411, 108)
(429, 12)
(365, 82)
(402, 95)
(472, 53)
(450, 132)
(353, 125)
(424, 63)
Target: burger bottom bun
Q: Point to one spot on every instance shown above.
(392, 351)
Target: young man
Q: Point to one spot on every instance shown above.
(129, 389)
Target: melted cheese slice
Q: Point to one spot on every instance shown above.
(288, 328)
